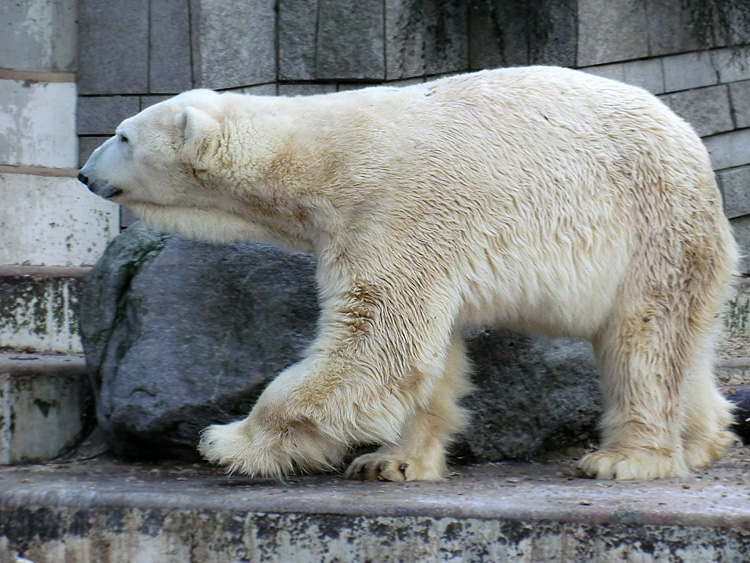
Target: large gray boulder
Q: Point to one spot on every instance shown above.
(180, 334)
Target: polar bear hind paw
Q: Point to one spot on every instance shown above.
(632, 463)
(381, 467)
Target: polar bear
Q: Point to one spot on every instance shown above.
(540, 199)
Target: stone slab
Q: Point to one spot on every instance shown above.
(113, 43)
(53, 221)
(350, 43)
(737, 315)
(553, 35)
(611, 31)
(732, 64)
(424, 38)
(735, 187)
(669, 28)
(647, 74)
(309, 89)
(101, 510)
(37, 124)
(43, 404)
(707, 109)
(270, 89)
(298, 23)
(100, 115)
(234, 43)
(741, 226)
(38, 35)
(87, 145)
(498, 34)
(730, 149)
(689, 70)
(740, 95)
(39, 309)
(169, 64)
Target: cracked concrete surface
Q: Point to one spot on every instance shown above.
(111, 511)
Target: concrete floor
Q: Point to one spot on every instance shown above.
(107, 510)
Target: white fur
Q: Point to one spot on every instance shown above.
(541, 199)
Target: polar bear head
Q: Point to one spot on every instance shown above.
(145, 160)
(176, 166)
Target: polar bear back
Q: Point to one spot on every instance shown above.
(539, 186)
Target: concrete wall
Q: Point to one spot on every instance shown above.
(46, 218)
(51, 229)
(133, 53)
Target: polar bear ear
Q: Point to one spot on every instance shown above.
(200, 133)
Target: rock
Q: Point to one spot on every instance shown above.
(180, 334)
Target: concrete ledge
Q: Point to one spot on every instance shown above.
(39, 308)
(39, 171)
(101, 510)
(43, 402)
(53, 220)
(39, 123)
(36, 76)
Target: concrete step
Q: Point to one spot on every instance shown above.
(45, 406)
(39, 308)
(104, 510)
(48, 218)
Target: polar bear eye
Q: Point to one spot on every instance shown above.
(123, 138)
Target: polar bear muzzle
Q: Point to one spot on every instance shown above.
(102, 189)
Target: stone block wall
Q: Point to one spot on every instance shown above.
(133, 53)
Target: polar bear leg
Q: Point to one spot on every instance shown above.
(707, 417)
(420, 454)
(663, 413)
(643, 377)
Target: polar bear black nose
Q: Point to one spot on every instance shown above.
(83, 179)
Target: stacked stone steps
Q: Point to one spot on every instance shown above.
(52, 230)
(45, 397)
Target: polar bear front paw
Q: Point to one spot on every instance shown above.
(230, 445)
(632, 463)
(380, 467)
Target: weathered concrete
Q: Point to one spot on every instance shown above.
(731, 63)
(425, 38)
(741, 227)
(39, 308)
(37, 124)
(100, 115)
(233, 43)
(737, 315)
(611, 30)
(38, 35)
(735, 187)
(648, 74)
(740, 94)
(689, 70)
(169, 68)
(730, 149)
(44, 403)
(113, 44)
(115, 512)
(53, 221)
(706, 109)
